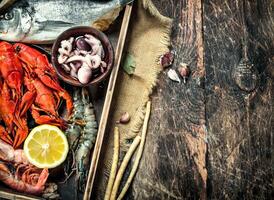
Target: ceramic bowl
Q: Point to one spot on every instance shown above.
(76, 32)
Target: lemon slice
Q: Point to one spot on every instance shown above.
(46, 146)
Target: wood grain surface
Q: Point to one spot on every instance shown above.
(173, 163)
(240, 123)
(213, 138)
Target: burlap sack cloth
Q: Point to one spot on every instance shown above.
(147, 40)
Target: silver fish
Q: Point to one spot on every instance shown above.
(41, 21)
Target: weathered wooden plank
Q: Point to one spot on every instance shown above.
(240, 122)
(173, 163)
(167, 7)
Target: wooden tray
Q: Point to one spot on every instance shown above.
(102, 102)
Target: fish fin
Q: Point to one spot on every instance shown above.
(49, 25)
(124, 2)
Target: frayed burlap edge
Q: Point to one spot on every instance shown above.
(162, 27)
(165, 40)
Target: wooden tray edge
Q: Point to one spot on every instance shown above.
(14, 196)
(107, 103)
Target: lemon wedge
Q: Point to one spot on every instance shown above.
(46, 146)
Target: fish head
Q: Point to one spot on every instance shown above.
(14, 25)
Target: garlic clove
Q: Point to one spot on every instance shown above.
(184, 71)
(173, 75)
(84, 74)
(166, 59)
(125, 118)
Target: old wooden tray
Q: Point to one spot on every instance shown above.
(102, 98)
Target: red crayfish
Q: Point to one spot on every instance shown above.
(28, 82)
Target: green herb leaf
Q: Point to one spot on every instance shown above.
(129, 64)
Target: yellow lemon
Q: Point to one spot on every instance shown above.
(46, 146)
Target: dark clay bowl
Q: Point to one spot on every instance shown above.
(75, 32)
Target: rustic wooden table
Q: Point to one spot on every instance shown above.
(212, 138)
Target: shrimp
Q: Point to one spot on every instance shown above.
(86, 142)
(81, 134)
(18, 173)
(7, 153)
(23, 178)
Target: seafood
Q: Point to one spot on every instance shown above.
(14, 124)
(22, 131)
(51, 191)
(80, 57)
(7, 107)
(78, 107)
(4, 135)
(28, 82)
(86, 141)
(17, 173)
(83, 132)
(74, 129)
(23, 178)
(45, 101)
(9, 154)
(75, 126)
(41, 21)
(84, 75)
(37, 63)
(10, 67)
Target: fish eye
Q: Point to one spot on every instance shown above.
(8, 16)
(2, 16)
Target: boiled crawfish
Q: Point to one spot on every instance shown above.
(11, 68)
(15, 125)
(37, 63)
(11, 72)
(44, 102)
